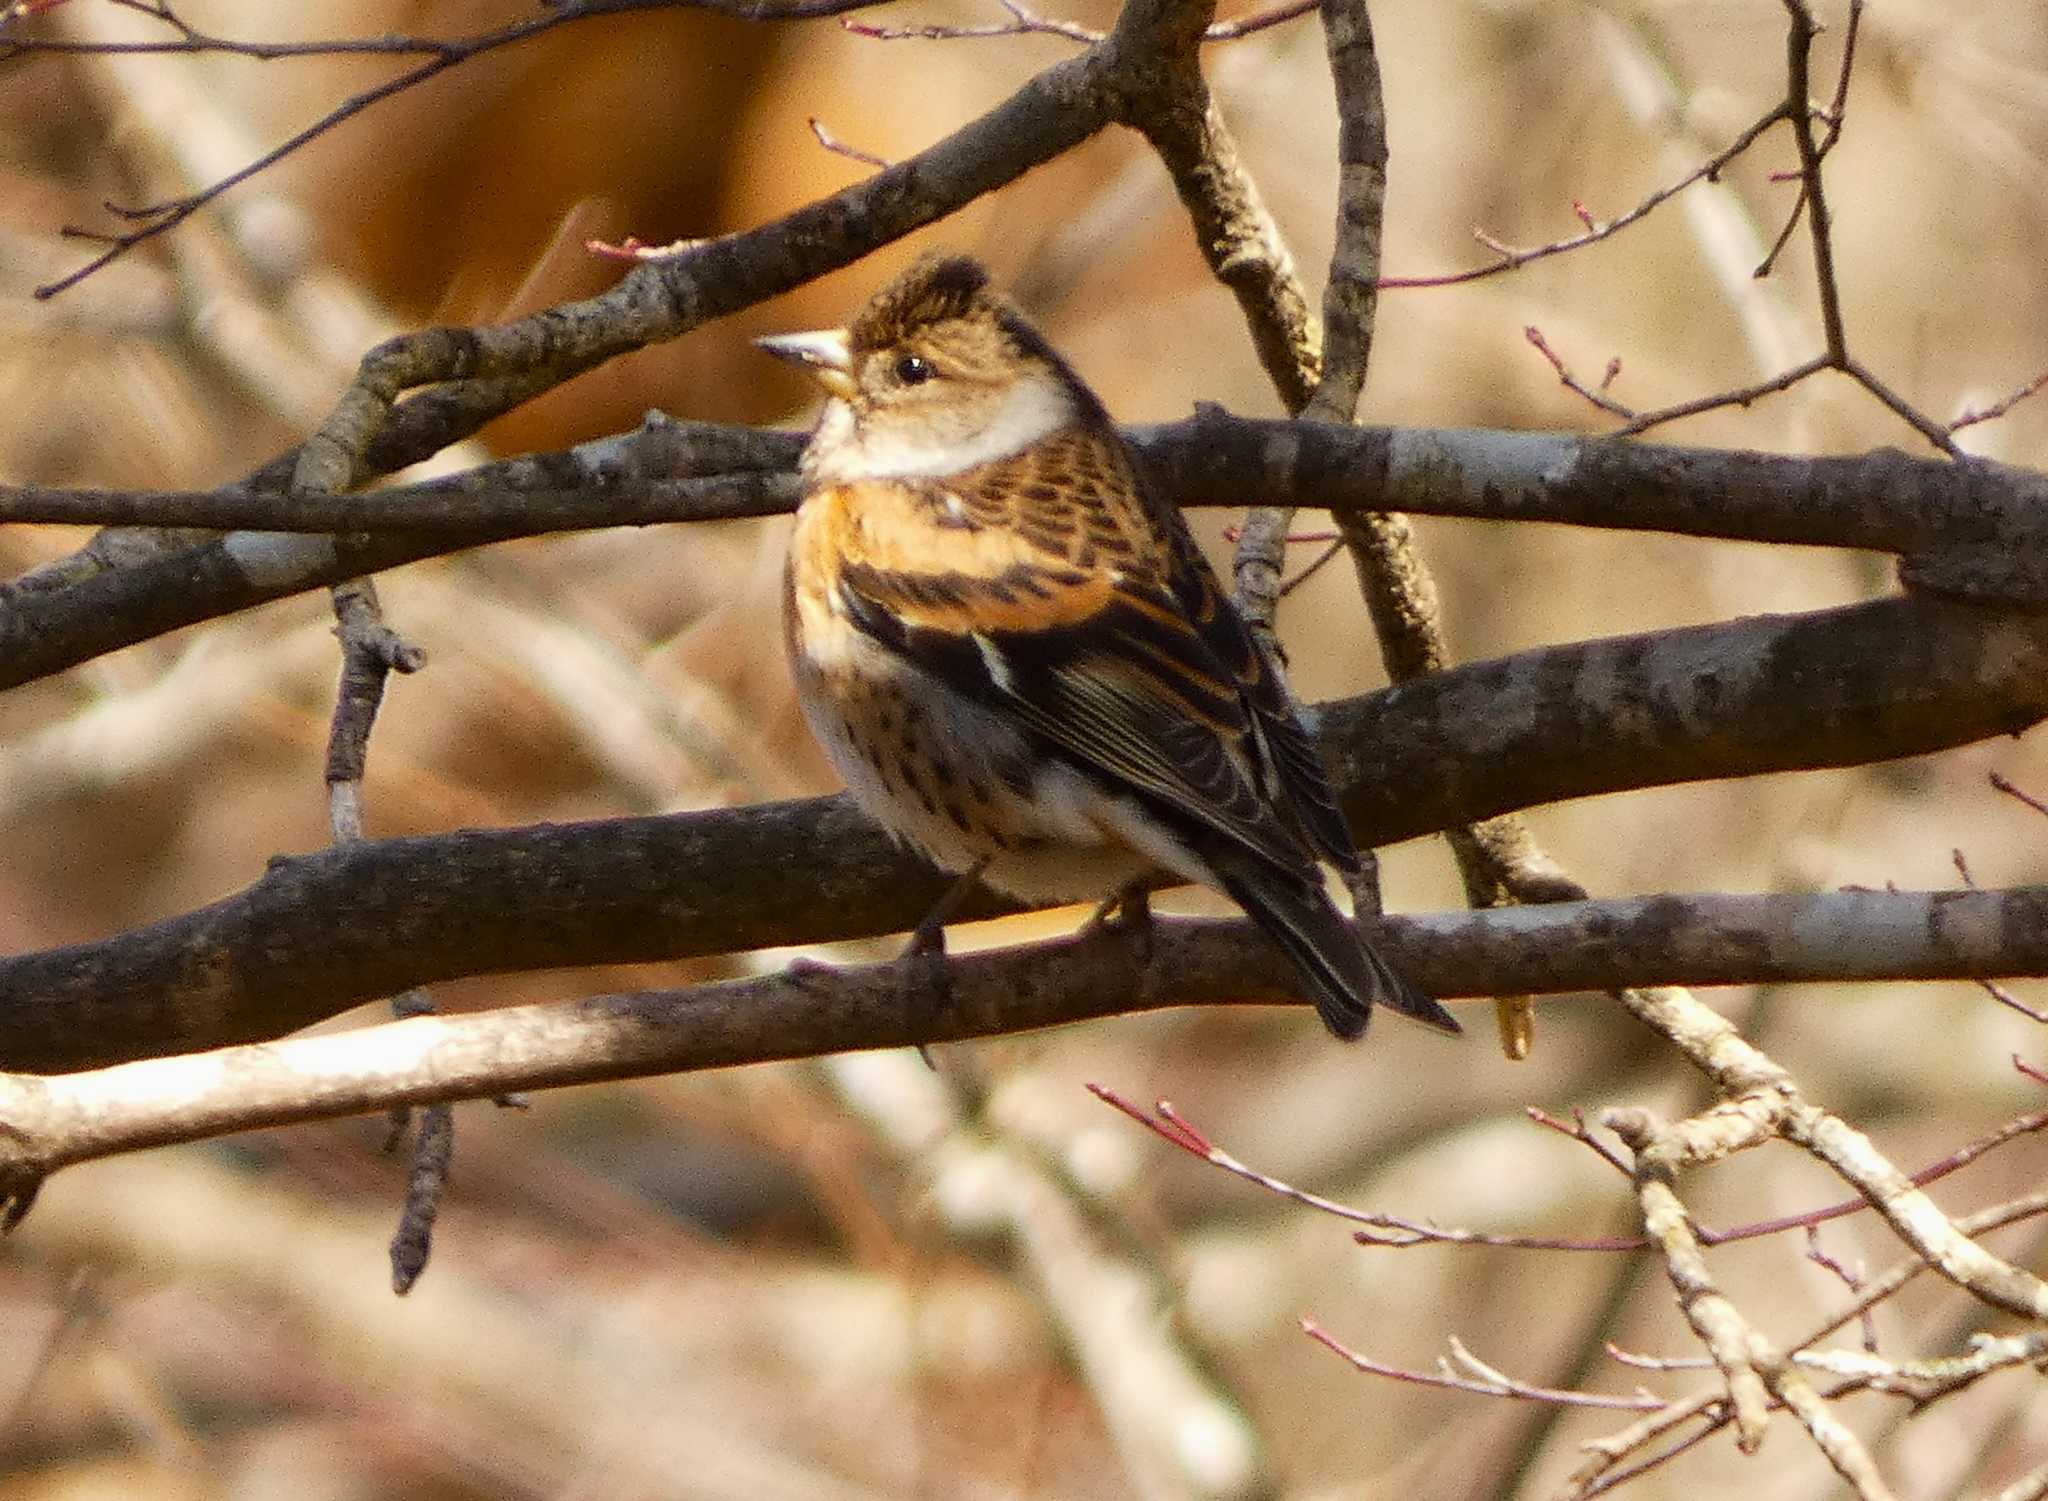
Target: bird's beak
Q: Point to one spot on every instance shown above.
(824, 355)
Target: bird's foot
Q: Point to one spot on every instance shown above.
(1126, 917)
(922, 963)
(923, 975)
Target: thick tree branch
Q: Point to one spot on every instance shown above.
(669, 470)
(1837, 687)
(68, 1118)
(1977, 530)
(1778, 692)
(1233, 228)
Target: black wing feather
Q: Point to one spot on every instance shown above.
(1299, 779)
(1131, 697)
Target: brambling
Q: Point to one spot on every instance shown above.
(1019, 660)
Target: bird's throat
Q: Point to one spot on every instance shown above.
(897, 445)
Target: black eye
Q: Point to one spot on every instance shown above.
(914, 370)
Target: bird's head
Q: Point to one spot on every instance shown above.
(936, 375)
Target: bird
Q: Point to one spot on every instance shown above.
(1013, 651)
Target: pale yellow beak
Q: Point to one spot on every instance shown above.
(824, 355)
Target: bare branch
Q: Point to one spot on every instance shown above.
(370, 652)
(2007, 999)
(1853, 1280)
(55, 1120)
(1740, 396)
(1887, 1283)
(1230, 31)
(1400, 1231)
(1748, 1363)
(1927, 1381)
(1799, 37)
(1555, 723)
(1511, 259)
(1797, 111)
(670, 470)
(1971, 416)
(1580, 1132)
(1978, 531)
(1491, 1384)
(1759, 1100)
(2018, 793)
(837, 147)
(1598, 399)
(1913, 1215)
(1598, 1473)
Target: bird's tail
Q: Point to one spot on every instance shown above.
(1345, 977)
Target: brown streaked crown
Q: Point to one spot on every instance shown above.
(940, 290)
(936, 289)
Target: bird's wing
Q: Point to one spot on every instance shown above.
(1098, 660)
(1295, 766)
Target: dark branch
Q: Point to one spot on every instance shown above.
(1706, 939)
(1975, 531)
(1837, 687)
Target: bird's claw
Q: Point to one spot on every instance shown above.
(923, 965)
(1127, 918)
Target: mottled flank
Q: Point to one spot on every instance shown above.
(1019, 659)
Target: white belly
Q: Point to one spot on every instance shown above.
(961, 784)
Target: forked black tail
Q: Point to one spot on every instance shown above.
(1346, 978)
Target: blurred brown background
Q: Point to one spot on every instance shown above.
(852, 1278)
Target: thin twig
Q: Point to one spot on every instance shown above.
(1596, 397)
(1230, 31)
(1741, 396)
(2005, 997)
(1491, 1383)
(1512, 259)
(838, 147)
(1644, 1362)
(2020, 794)
(1322, 559)
(1887, 1283)
(1934, 432)
(1580, 1132)
(1717, 1414)
(1853, 1280)
(1971, 416)
(1400, 1231)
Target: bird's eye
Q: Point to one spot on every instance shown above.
(914, 370)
